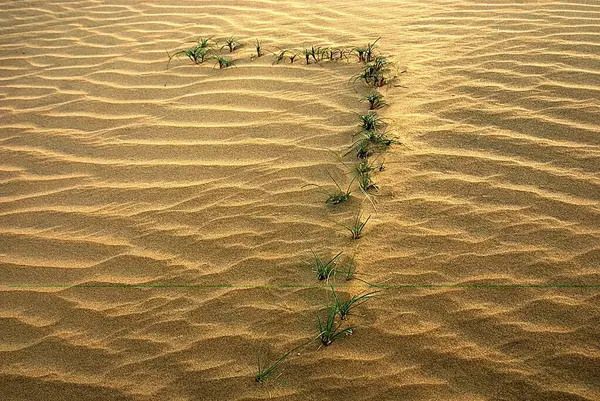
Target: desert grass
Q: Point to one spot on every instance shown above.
(345, 307)
(222, 62)
(366, 54)
(362, 148)
(258, 47)
(357, 226)
(324, 268)
(370, 121)
(264, 372)
(232, 44)
(375, 100)
(335, 197)
(329, 328)
(366, 183)
(279, 57)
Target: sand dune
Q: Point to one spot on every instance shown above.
(154, 221)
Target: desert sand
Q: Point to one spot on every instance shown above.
(154, 222)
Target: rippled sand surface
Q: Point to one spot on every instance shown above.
(187, 184)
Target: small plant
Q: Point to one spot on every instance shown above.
(370, 121)
(315, 53)
(258, 48)
(362, 148)
(375, 100)
(357, 226)
(204, 42)
(223, 62)
(365, 183)
(329, 329)
(232, 44)
(344, 54)
(363, 167)
(293, 57)
(324, 269)
(279, 56)
(344, 307)
(197, 53)
(370, 51)
(350, 269)
(264, 373)
(334, 198)
(307, 56)
(360, 53)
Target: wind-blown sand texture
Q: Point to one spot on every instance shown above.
(116, 171)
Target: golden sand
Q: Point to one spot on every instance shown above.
(118, 171)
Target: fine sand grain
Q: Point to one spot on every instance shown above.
(154, 221)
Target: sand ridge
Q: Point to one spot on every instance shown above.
(115, 170)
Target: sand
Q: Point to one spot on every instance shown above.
(154, 221)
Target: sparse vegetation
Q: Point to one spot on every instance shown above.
(344, 307)
(258, 47)
(357, 226)
(372, 140)
(336, 197)
(323, 268)
(232, 44)
(196, 54)
(280, 56)
(375, 100)
(329, 328)
(222, 62)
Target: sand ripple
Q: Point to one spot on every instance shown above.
(151, 218)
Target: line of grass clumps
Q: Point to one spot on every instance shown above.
(373, 73)
(373, 140)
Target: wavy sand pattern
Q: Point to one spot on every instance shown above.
(115, 170)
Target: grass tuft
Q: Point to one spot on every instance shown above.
(265, 372)
(324, 269)
(375, 100)
(336, 197)
(357, 227)
(232, 44)
(222, 62)
(344, 307)
(329, 329)
(258, 47)
(370, 121)
(280, 56)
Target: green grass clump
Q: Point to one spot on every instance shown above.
(232, 44)
(336, 197)
(280, 56)
(370, 121)
(323, 268)
(329, 329)
(365, 182)
(366, 54)
(375, 72)
(344, 307)
(222, 62)
(375, 100)
(362, 148)
(357, 226)
(258, 47)
(196, 54)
